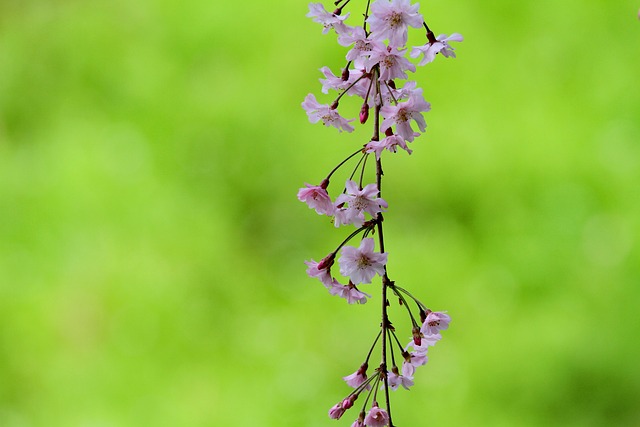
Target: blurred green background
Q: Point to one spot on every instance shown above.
(152, 248)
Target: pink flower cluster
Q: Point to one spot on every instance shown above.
(349, 207)
(428, 336)
(378, 58)
(359, 264)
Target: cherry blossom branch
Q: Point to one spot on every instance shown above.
(378, 54)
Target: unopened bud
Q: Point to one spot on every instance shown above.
(417, 336)
(348, 402)
(327, 261)
(345, 74)
(364, 113)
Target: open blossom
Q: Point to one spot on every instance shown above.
(358, 202)
(376, 417)
(402, 114)
(348, 292)
(412, 361)
(396, 380)
(362, 264)
(426, 341)
(327, 19)
(390, 143)
(321, 270)
(356, 379)
(389, 19)
(328, 115)
(331, 81)
(442, 46)
(391, 95)
(435, 321)
(317, 198)
(356, 85)
(362, 46)
(392, 62)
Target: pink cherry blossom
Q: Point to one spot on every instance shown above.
(396, 380)
(362, 46)
(390, 143)
(392, 62)
(358, 202)
(402, 114)
(317, 198)
(348, 216)
(435, 321)
(426, 341)
(336, 411)
(331, 81)
(391, 95)
(356, 379)
(408, 369)
(348, 292)
(356, 85)
(358, 423)
(327, 19)
(412, 361)
(321, 270)
(442, 46)
(389, 19)
(362, 264)
(328, 115)
(376, 417)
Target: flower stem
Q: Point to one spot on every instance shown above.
(352, 235)
(342, 163)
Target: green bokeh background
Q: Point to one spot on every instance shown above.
(151, 245)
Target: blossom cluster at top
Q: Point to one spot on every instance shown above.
(376, 59)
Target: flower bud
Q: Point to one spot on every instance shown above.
(336, 411)
(364, 113)
(417, 336)
(348, 402)
(327, 261)
(345, 74)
